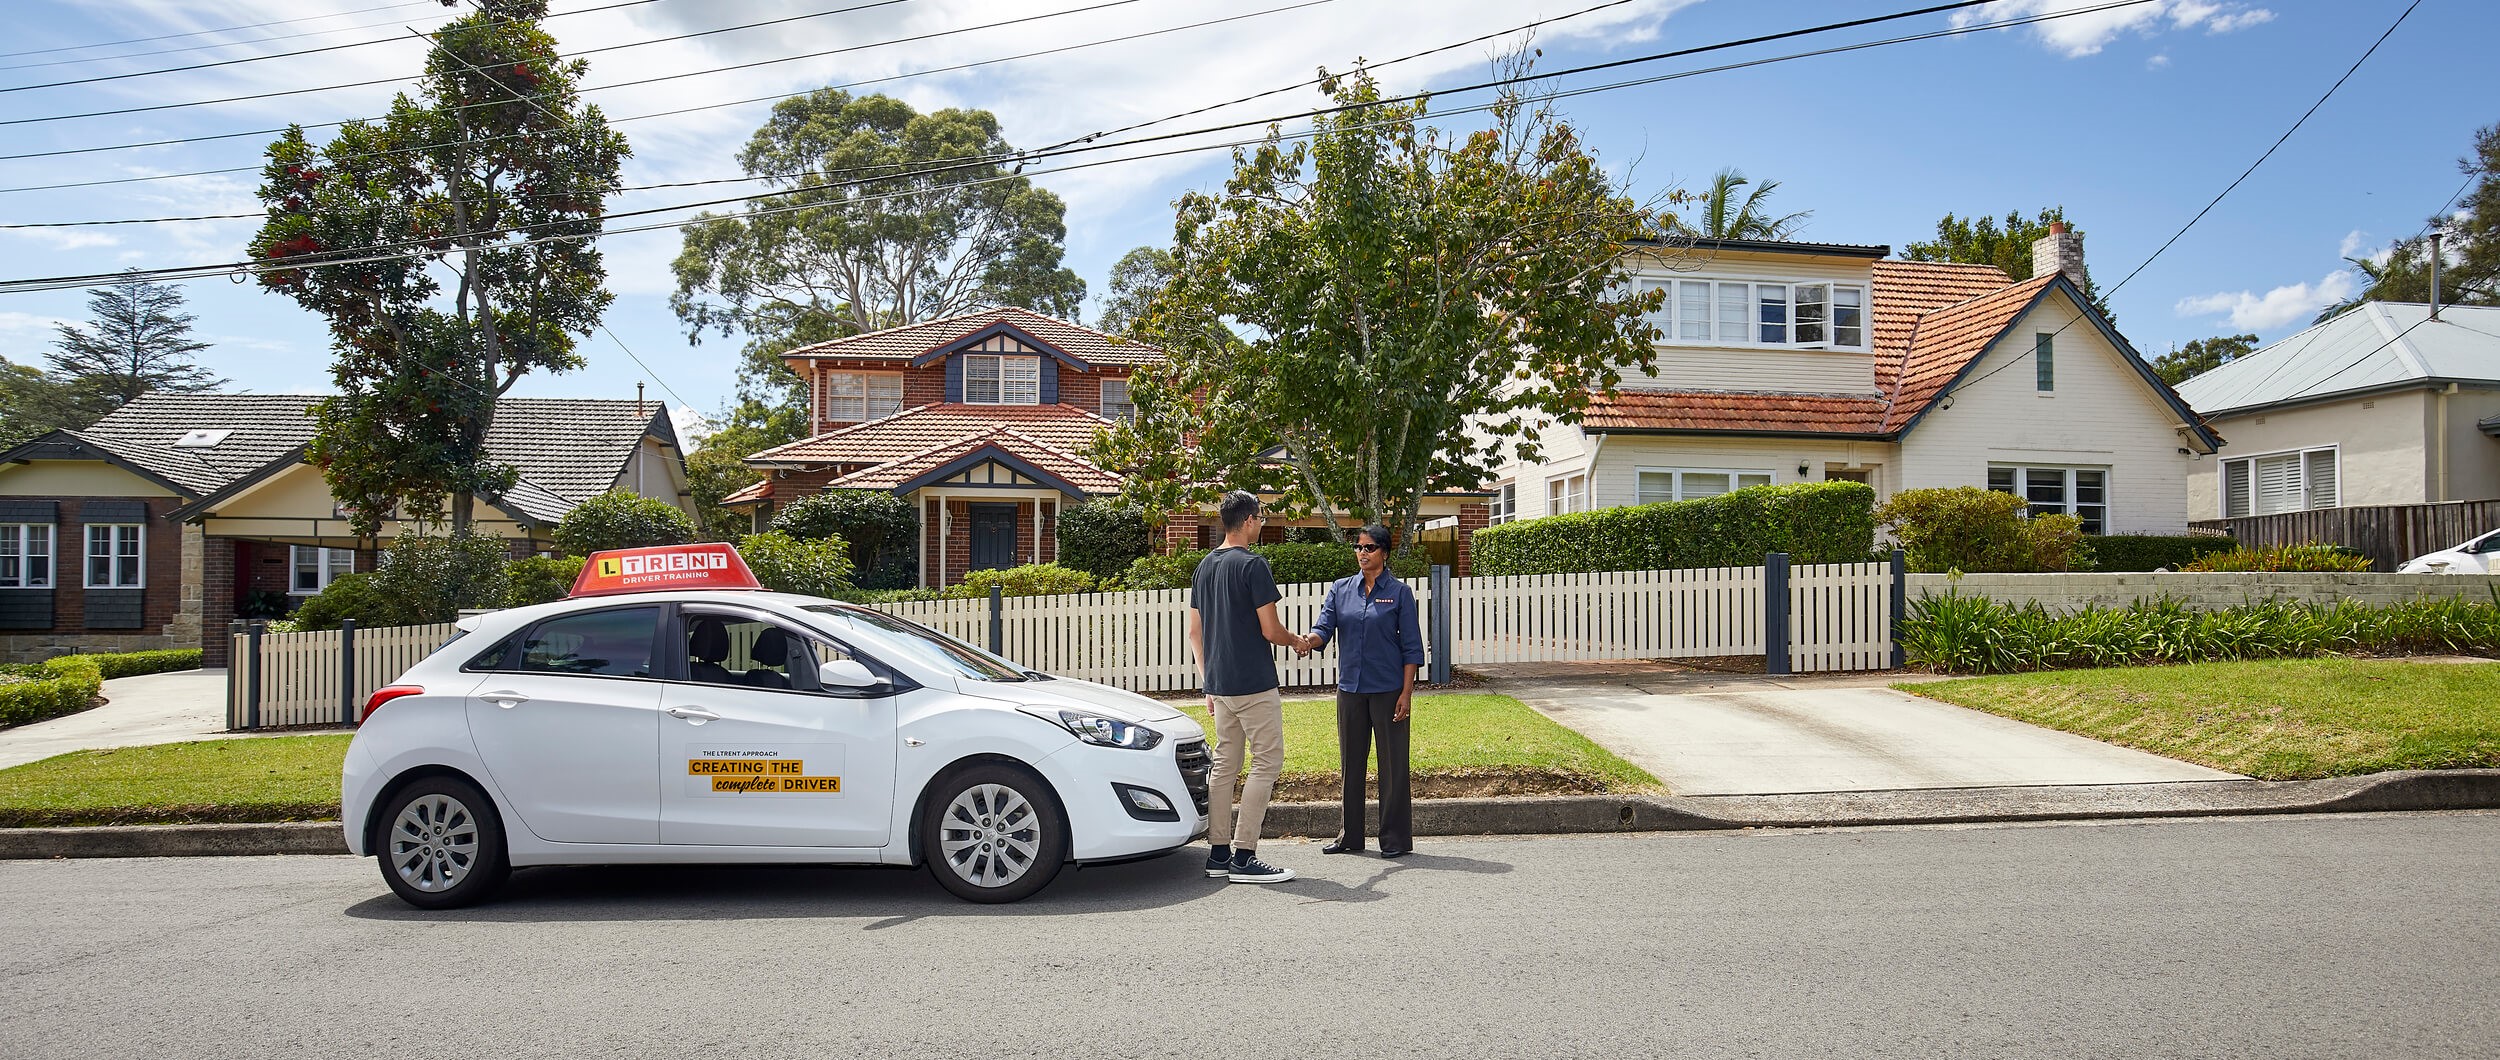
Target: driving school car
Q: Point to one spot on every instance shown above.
(671, 711)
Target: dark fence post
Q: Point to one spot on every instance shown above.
(251, 690)
(1775, 614)
(1900, 606)
(1441, 634)
(347, 672)
(998, 622)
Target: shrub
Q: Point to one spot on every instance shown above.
(65, 685)
(1970, 529)
(880, 527)
(1969, 634)
(1291, 563)
(1102, 538)
(888, 596)
(2143, 552)
(134, 663)
(810, 567)
(347, 596)
(540, 579)
(617, 519)
(1814, 522)
(264, 603)
(1032, 579)
(419, 580)
(2318, 558)
(1166, 571)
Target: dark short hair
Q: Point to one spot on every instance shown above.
(1237, 508)
(1381, 536)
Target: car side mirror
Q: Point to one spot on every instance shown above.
(846, 675)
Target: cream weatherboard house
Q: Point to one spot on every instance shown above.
(1799, 362)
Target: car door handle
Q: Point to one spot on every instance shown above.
(693, 714)
(506, 700)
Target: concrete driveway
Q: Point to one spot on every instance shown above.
(147, 709)
(1735, 734)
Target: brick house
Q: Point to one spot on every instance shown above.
(179, 512)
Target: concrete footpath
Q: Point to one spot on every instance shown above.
(137, 711)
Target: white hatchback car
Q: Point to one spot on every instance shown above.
(743, 726)
(2478, 556)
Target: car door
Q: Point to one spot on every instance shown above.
(754, 752)
(567, 720)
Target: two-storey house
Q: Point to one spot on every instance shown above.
(1798, 362)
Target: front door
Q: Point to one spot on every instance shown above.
(568, 720)
(993, 536)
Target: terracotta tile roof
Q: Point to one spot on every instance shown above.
(1724, 410)
(1059, 462)
(912, 340)
(758, 490)
(1947, 340)
(917, 430)
(1907, 290)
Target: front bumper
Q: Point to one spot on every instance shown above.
(1100, 825)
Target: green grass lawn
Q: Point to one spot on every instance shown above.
(1455, 736)
(2275, 719)
(270, 778)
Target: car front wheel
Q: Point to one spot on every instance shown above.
(992, 834)
(441, 844)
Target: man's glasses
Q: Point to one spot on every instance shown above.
(1371, 548)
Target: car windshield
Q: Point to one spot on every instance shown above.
(929, 646)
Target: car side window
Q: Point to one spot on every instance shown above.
(736, 650)
(598, 643)
(2489, 544)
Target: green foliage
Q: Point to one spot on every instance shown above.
(2313, 557)
(470, 177)
(265, 603)
(1814, 522)
(1721, 214)
(1136, 280)
(539, 579)
(888, 596)
(1981, 241)
(717, 466)
(1103, 537)
(65, 685)
(1170, 570)
(1973, 634)
(2200, 356)
(810, 566)
(347, 596)
(947, 228)
(1292, 564)
(1976, 530)
(137, 340)
(1032, 579)
(2118, 553)
(420, 580)
(32, 403)
(882, 529)
(135, 663)
(2471, 273)
(1373, 265)
(617, 519)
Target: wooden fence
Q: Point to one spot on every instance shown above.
(2388, 533)
(1838, 616)
(302, 678)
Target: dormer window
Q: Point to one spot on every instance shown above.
(855, 397)
(1731, 312)
(1115, 402)
(992, 379)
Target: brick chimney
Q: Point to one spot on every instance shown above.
(2059, 251)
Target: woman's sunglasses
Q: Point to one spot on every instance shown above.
(1371, 548)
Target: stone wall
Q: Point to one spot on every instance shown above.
(2069, 592)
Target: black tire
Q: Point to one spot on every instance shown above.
(441, 844)
(992, 834)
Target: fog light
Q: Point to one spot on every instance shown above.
(1145, 804)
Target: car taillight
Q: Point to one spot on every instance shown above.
(388, 693)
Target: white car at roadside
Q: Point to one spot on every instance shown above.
(696, 724)
(2480, 555)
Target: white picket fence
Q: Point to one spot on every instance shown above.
(300, 674)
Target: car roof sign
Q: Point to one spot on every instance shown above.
(713, 565)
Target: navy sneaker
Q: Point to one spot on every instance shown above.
(1219, 862)
(1247, 868)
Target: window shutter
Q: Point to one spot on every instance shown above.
(2320, 473)
(2235, 498)
(2278, 484)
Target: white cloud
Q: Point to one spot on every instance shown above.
(691, 426)
(2160, 60)
(2079, 35)
(2275, 308)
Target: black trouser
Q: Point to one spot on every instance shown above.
(1361, 716)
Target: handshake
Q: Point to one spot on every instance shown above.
(1306, 643)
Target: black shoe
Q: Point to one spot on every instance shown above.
(1339, 846)
(1398, 853)
(1249, 869)
(1220, 862)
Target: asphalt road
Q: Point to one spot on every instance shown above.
(2258, 937)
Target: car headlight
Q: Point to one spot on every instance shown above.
(1109, 732)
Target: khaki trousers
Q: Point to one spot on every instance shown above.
(1256, 723)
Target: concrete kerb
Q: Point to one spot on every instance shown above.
(2406, 791)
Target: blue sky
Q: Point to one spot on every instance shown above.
(2131, 119)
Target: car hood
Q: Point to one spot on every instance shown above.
(1060, 693)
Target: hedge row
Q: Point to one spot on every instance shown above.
(1973, 634)
(134, 663)
(1814, 522)
(2124, 553)
(1292, 564)
(55, 687)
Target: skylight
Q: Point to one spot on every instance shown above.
(206, 439)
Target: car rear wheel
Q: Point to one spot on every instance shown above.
(441, 844)
(992, 834)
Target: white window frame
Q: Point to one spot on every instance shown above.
(115, 537)
(1121, 411)
(1675, 481)
(1567, 493)
(1011, 379)
(2067, 504)
(21, 537)
(868, 395)
(1717, 294)
(2310, 493)
(1505, 506)
(328, 564)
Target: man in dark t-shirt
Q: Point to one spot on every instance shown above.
(1233, 628)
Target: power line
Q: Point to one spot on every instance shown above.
(225, 29)
(213, 47)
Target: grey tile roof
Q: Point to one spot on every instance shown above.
(566, 449)
(2378, 345)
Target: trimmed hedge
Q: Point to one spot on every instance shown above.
(1291, 563)
(55, 687)
(2126, 553)
(1032, 579)
(617, 519)
(134, 663)
(1974, 634)
(1814, 522)
(811, 567)
(1104, 537)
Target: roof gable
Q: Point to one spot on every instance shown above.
(2374, 347)
(920, 342)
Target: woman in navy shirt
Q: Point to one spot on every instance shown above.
(1374, 614)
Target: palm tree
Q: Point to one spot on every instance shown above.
(1723, 216)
